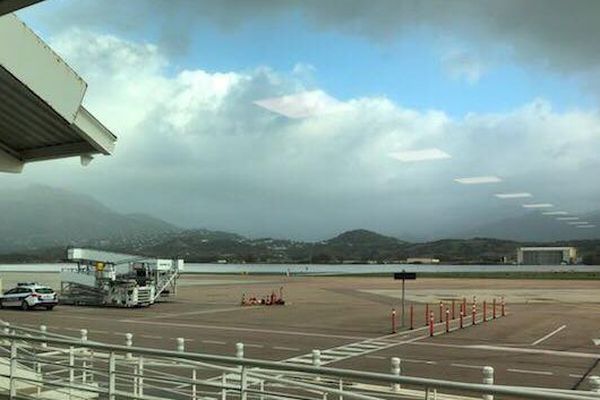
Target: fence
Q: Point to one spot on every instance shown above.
(41, 365)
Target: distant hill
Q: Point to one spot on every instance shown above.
(536, 227)
(199, 245)
(209, 246)
(40, 217)
(357, 245)
(480, 250)
(38, 223)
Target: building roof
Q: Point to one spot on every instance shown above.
(41, 112)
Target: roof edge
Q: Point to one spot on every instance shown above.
(94, 132)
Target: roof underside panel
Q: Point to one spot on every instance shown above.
(8, 6)
(30, 130)
(26, 122)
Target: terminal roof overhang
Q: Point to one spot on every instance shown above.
(41, 112)
(8, 6)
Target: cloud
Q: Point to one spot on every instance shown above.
(461, 65)
(194, 149)
(554, 34)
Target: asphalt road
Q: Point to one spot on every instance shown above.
(539, 343)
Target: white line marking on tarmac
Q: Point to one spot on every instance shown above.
(575, 376)
(376, 357)
(172, 315)
(467, 366)
(350, 353)
(548, 336)
(527, 371)
(151, 336)
(558, 353)
(239, 329)
(411, 360)
(258, 346)
(214, 342)
(286, 348)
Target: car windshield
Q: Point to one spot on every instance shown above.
(44, 290)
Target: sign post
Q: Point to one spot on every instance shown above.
(404, 276)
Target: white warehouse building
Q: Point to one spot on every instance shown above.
(546, 255)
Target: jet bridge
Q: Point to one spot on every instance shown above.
(104, 278)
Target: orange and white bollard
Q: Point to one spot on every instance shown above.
(484, 311)
(412, 319)
(447, 321)
(462, 314)
(464, 306)
(453, 309)
(473, 314)
(502, 307)
(426, 314)
(494, 308)
(431, 324)
(441, 312)
(393, 320)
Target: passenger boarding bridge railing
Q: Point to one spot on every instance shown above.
(42, 365)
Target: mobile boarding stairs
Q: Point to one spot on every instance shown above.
(116, 279)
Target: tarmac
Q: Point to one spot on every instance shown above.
(547, 343)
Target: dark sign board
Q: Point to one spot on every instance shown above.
(405, 275)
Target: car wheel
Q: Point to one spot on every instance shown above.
(1, 305)
(49, 308)
(24, 306)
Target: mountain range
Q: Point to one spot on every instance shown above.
(39, 217)
(39, 222)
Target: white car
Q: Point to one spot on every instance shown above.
(28, 296)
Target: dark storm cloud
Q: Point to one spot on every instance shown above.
(557, 34)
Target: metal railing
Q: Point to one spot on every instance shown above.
(44, 365)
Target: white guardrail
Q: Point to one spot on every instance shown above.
(37, 364)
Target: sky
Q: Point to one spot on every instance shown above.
(304, 119)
